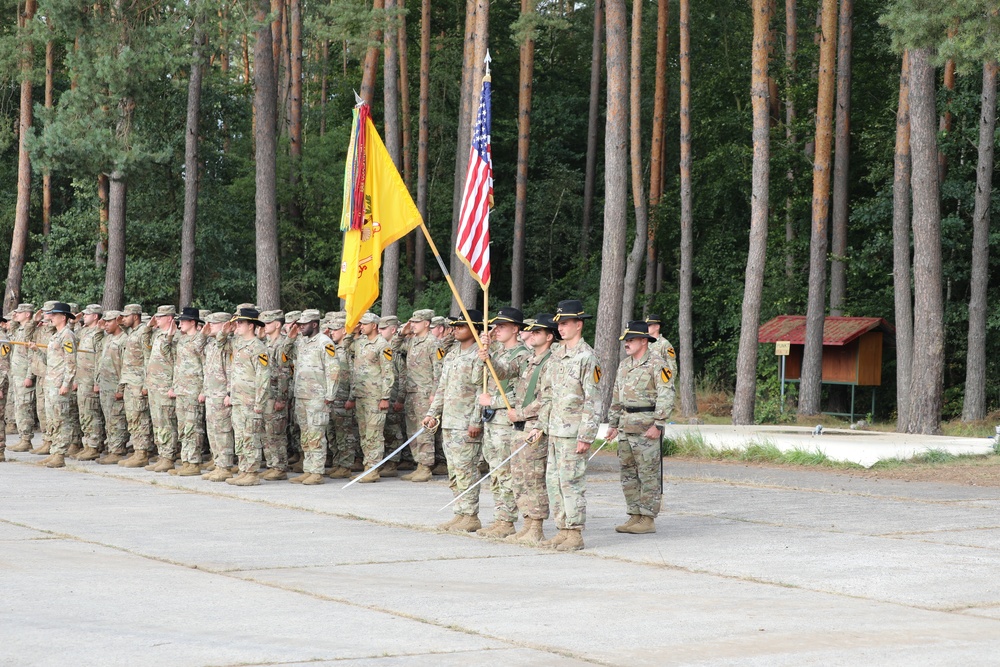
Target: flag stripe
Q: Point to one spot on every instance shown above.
(473, 242)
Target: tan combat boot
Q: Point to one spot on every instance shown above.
(388, 470)
(138, 459)
(370, 477)
(73, 450)
(274, 475)
(246, 479)
(3, 456)
(23, 445)
(573, 541)
(534, 535)
(88, 454)
(313, 480)
(556, 540)
(41, 450)
(440, 469)
(643, 526)
(295, 467)
(189, 470)
(163, 465)
(55, 461)
(521, 533)
(110, 459)
(340, 472)
(219, 475)
(498, 529)
(448, 525)
(301, 478)
(468, 524)
(624, 528)
(421, 474)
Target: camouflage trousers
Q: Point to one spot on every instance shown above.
(497, 437)
(294, 432)
(190, 427)
(137, 416)
(24, 407)
(313, 416)
(4, 393)
(340, 435)
(393, 432)
(58, 419)
(422, 447)
(641, 467)
(115, 424)
(219, 423)
(463, 453)
(248, 427)
(371, 427)
(76, 432)
(91, 417)
(565, 477)
(276, 437)
(527, 476)
(43, 422)
(163, 414)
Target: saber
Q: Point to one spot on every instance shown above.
(482, 479)
(600, 448)
(379, 464)
(602, 433)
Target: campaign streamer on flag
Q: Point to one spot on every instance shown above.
(378, 210)
(473, 246)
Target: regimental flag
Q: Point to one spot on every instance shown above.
(473, 246)
(378, 210)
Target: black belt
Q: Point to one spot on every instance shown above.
(651, 408)
(518, 426)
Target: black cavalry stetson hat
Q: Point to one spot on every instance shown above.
(189, 313)
(474, 314)
(61, 309)
(250, 315)
(637, 329)
(653, 318)
(570, 309)
(545, 321)
(509, 314)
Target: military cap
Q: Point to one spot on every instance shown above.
(544, 322)
(250, 315)
(243, 306)
(292, 316)
(423, 315)
(369, 318)
(165, 311)
(218, 318)
(439, 321)
(310, 315)
(49, 305)
(653, 318)
(388, 321)
(74, 307)
(528, 323)
(637, 329)
(337, 321)
(109, 315)
(189, 313)
(272, 316)
(92, 309)
(509, 315)
(204, 313)
(25, 308)
(570, 309)
(145, 318)
(59, 308)
(475, 315)
(132, 309)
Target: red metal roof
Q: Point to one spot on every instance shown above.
(836, 330)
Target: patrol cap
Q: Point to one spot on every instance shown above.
(292, 316)
(132, 309)
(25, 308)
(423, 315)
(309, 315)
(272, 316)
(109, 315)
(218, 318)
(337, 321)
(637, 329)
(74, 308)
(165, 311)
(439, 321)
(388, 321)
(49, 305)
(369, 318)
(204, 313)
(244, 306)
(145, 318)
(92, 309)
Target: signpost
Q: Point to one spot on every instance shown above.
(781, 349)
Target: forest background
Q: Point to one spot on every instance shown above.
(109, 85)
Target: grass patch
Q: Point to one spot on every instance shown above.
(693, 445)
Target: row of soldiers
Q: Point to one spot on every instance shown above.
(268, 383)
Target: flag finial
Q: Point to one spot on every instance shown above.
(487, 60)
(358, 100)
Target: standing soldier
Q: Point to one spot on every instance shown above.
(21, 384)
(509, 359)
(387, 328)
(456, 409)
(372, 379)
(110, 389)
(661, 346)
(60, 364)
(249, 392)
(340, 435)
(88, 401)
(441, 330)
(641, 403)
(40, 337)
(215, 388)
(5, 349)
(159, 382)
(527, 468)
(133, 376)
(571, 408)
(188, 377)
(294, 432)
(279, 352)
(420, 351)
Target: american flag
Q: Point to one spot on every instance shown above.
(473, 245)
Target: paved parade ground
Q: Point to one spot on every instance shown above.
(750, 565)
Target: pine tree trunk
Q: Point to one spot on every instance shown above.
(22, 208)
(114, 273)
(812, 354)
(791, 47)
(393, 144)
(842, 158)
(404, 107)
(103, 194)
(689, 405)
(928, 308)
(191, 177)
(324, 86)
(656, 161)
(593, 118)
(265, 142)
(901, 250)
(295, 110)
(746, 360)
(423, 138)
(370, 72)
(609, 309)
(527, 67)
(974, 405)
(47, 175)
(944, 123)
(634, 263)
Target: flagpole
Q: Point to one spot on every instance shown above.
(486, 327)
(461, 305)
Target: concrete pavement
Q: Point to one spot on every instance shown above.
(750, 565)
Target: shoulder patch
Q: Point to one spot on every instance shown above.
(68, 347)
(597, 374)
(4, 349)
(666, 375)
(387, 353)
(670, 352)
(331, 350)
(262, 358)
(441, 353)
(284, 358)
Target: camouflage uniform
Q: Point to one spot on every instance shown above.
(456, 408)
(5, 354)
(527, 468)
(279, 351)
(88, 402)
(316, 385)
(423, 370)
(60, 364)
(372, 380)
(218, 416)
(570, 410)
(249, 391)
(643, 396)
(159, 380)
(663, 349)
(340, 436)
(109, 380)
(133, 376)
(188, 378)
(41, 336)
(498, 432)
(20, 369)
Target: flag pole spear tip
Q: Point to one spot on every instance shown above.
(488, 59)
(358, 100)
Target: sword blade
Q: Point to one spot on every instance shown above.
(379, 464)
(484, 477)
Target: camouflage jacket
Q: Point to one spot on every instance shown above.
(423, 357)
(215, 366)
(60, 359)
(20, 359)
(160, 364)
(109, 365)
(189, 372)
(343, 360)
(249, 374)
(456, 402)
(317, 373)
(281, 357)
(90, 341)
(5, 355)
(41, 336)
(646, 383)
(134, 354)
(528, 402)
(373, 374)
(571, 400)
(663, 349)
(509, 364)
